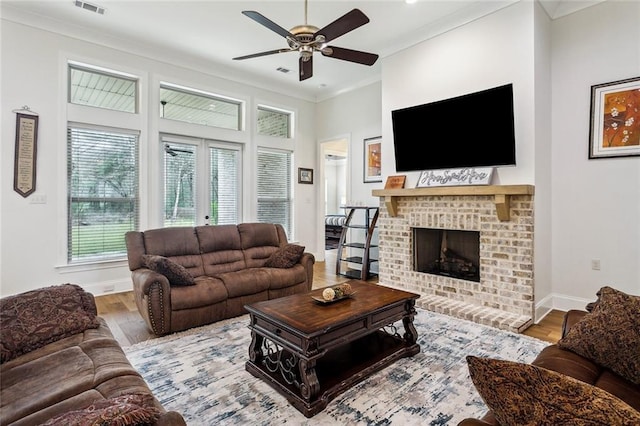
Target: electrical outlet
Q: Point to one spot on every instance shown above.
(595, 264)
(108, 288)
(38, 199)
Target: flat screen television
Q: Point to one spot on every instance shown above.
(472, 130)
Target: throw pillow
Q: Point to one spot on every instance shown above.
(175, 273)
(524, 394)
(124, 410)
(285, 257)
(610, 335)
(36, 318)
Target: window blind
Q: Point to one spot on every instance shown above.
(224, 189)
(274, 188)
(103, 201)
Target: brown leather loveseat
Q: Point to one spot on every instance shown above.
(222, 268)
(61, 365)
(600, 348)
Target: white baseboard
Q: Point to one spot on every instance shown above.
(560, 302)
(108, 287)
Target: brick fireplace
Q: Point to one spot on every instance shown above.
(503, 216)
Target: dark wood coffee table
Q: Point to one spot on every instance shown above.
(310, 352)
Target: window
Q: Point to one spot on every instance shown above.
(102, 88)
(193, 106)
(272, 122)
(102, 176)
(274, 188)
(186, 174)
(224, 174)
(179, 184)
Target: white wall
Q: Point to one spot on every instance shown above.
(357, 114)
(585, 209)
(335, 174)
(32, 251)
(596, 203)
(543, 141)
(489, 52)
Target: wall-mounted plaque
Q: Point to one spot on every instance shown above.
(24, 171)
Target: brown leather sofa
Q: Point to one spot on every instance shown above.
(60, 359)
(571, 364)
(227, 263)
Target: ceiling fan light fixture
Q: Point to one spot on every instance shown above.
(307, 39)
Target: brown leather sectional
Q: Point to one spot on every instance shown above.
(571, 364)
(73, 371)
(227, 263)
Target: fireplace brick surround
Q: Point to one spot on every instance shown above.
(503, 215)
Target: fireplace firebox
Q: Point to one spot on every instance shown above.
(447, 252)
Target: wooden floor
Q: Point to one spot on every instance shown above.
(128, 327)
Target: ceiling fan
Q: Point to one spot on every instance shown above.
(307, 39)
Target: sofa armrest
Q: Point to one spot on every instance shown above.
(307, 260)
(171, 418)
(144, 278)
(571, 317)
(152, 294)
(474, 422)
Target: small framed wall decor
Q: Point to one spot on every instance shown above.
(305, 175)
(373, 159)
(395, 182)
(615, 119)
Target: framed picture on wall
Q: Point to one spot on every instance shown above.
(615, 119)
(373, 159)
(305, 175)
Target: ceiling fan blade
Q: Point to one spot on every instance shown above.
(306, 68)
(256, 55)
(347, 22)
(261, 19)
(350, 55)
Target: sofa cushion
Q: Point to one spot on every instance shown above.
(288, 277)
(610, 335)
(524, 394)
(249, 281)
(285, 257)
(218, 238)
(207, 291)
(35, 318)
(258, 235)
(123, 410)
(175, 273)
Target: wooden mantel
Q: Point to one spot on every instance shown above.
(501, 193)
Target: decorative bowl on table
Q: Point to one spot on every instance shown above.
(335, 293)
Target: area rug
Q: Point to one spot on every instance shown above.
(200, 373)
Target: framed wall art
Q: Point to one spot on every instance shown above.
(615, 119)
(24, 174)
(373, 159)
(305, 175)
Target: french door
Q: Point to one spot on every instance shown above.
(202, 181)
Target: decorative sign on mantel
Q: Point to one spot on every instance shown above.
(455, 177)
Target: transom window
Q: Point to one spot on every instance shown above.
(98, 87)
(274, 122)
(193, 106)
